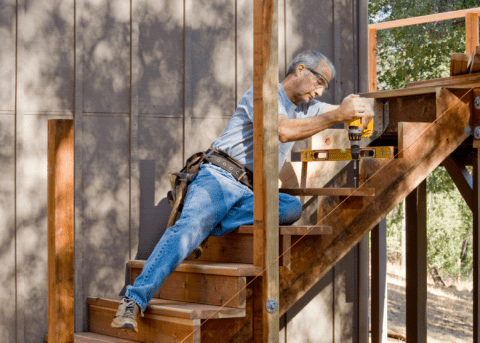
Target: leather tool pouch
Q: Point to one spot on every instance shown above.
(187, 174)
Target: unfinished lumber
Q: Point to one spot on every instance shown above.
(471, 32)
(359, 192)
(457, 80)
(205, 289)
(211, 268)
(177, 309)
(152, 328)
(393, 179)
(60, 231)
(265, 166)
(461, 177)
(474, 61)
(458, 64)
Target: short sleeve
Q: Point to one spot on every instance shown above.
(311, 108)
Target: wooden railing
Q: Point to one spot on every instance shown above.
(471, 35)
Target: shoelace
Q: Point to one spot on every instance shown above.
(129, 308)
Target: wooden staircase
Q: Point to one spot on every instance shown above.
(427, 125)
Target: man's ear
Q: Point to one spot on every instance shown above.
(300, 69)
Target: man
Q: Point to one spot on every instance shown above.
(220, 198)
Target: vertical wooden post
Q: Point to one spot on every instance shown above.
(372, 60)
(60, 231)
(471, 32)
(476, 246)
(265, 140)
(416, 284)
(363, 281)
(379, 282)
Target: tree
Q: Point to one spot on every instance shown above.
(416, 52)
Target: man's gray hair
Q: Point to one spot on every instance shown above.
(311, 59)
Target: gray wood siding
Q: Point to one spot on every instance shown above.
(148, 84)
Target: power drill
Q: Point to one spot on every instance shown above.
(356, 131)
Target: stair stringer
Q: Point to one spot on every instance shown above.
(353, 218)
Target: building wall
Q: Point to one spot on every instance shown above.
(148, 83)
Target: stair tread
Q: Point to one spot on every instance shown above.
(90, 337)
(285, 230)
(208, 267)
(336, 191)
(179, 309)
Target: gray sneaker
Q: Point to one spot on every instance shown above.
(126, 317)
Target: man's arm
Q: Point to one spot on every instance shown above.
(352, 107)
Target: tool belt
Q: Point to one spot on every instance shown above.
(239, 172)
(190, 171)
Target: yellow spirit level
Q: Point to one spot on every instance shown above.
(345, 154)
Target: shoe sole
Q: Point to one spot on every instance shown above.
(125, 327)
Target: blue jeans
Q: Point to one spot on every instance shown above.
(215, 204)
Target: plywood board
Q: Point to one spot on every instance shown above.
(7, 55)
(106, 204)
(202, 133)
(161, 54)
(156, 157)
(31, 225)
(210, 58)
(49, 56)
(7, 223)
(106, 62)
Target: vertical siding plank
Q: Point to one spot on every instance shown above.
(106, 43)
(19, 216)
(7, 223)
(81, 322)
(160, 64)
(244, 14)
(379, 283)
(8, 289)
(134, 162)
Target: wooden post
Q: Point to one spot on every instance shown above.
(363, 281)
(372, 60)
(416, 283)
(60, 231)
(379, 282)
(265, 140)
(476, 246)
(471, 32)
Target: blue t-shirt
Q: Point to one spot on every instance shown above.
(237, 140)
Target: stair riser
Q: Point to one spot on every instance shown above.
(234, 248)
(201, 288)
(151, 328)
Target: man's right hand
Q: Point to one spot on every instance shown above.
(354, 107)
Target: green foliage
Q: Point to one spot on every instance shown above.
(416, 52)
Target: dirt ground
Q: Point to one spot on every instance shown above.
(449, 309)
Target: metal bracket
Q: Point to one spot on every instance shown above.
(271, 306)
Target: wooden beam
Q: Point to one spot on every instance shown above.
(393, 180)
(359, 192)
(60, 231)
(462, 179)
(372, 60)
(476, 247)
(474, 60)
(416, 283)
(379, 282)
(363, 291)
(424, 19)
(471, 32)
(446, 81)
(265, 167)
(458, 64)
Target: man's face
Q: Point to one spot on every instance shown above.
(312, 82)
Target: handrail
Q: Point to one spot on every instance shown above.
(471, 35)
